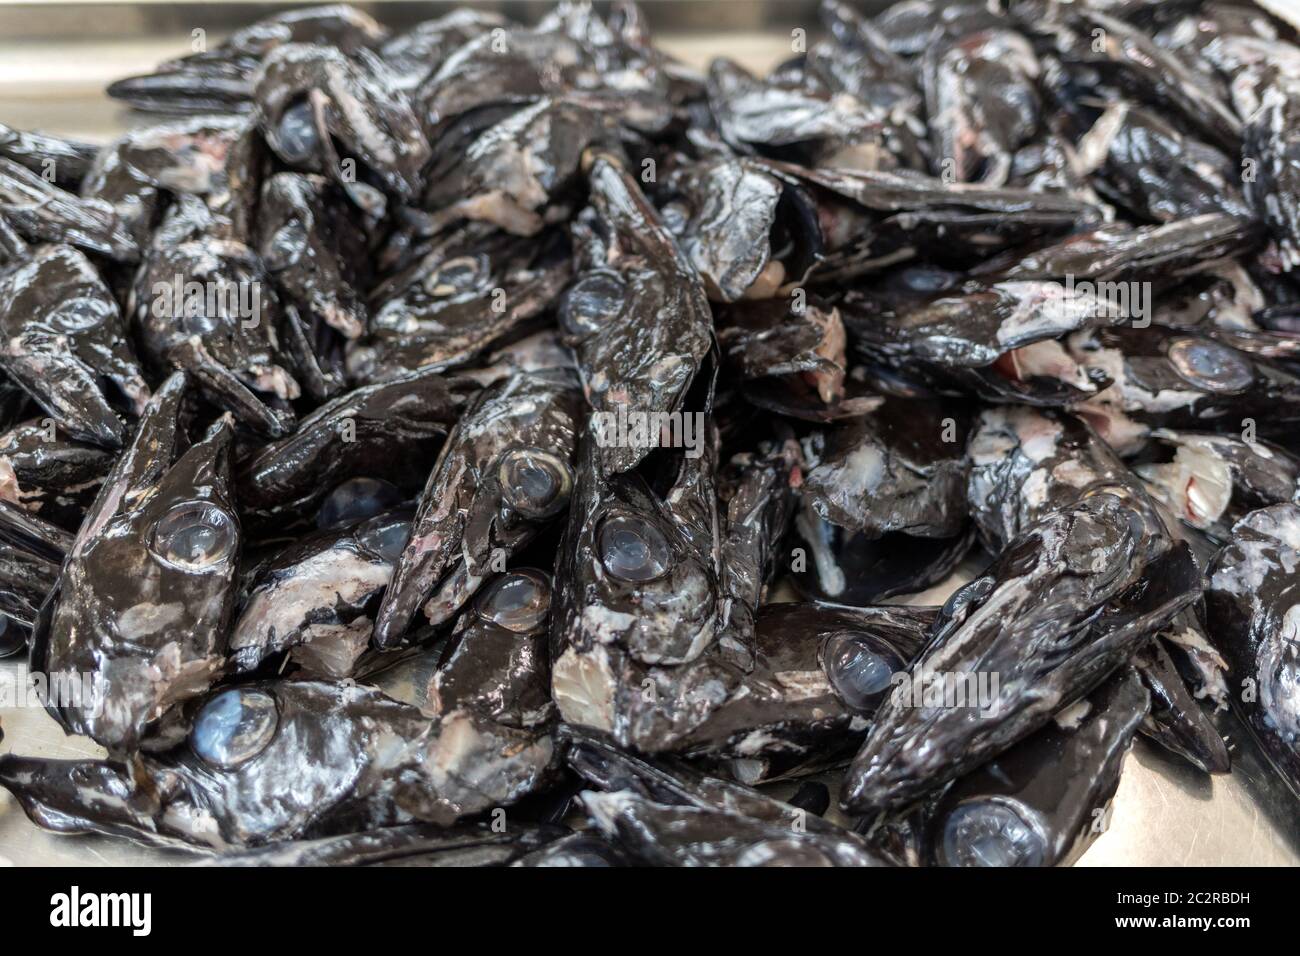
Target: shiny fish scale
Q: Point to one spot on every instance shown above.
(570, 360)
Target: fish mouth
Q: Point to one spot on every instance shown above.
(229, 389)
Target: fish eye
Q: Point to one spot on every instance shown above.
(234, 727)
(859, 668)
(1210, 365)
(356, 500)
(13, 637)
(633, 549)
(534, 483)
(990, 833)
(195, 535)
(456, 276)
(591, 303)
(386, 536)
(297, 134)
(518, 601)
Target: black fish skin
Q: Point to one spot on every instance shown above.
(983, 104)
(1209, 384)
(1142, 67)
(900, 468)
(215, 158)
(1026, 463)
(468, 509)
(612, 637)
(1257, 474)
(519, 173)
(133, 599)
(305, 245)
(467, 290)
(729, 207)
(406, 424)
(26, 579)
(70, 159)
(42, 212)
(499, 663)
(352, 100)
(1177, 722)
(316, 599)
(626, 359)
(1250, 601)
(1040, 617)
(787, 714)
(341, 759)
(218, 80)
(1119, 251)
(63, 336)
(352, 436)
(712, 822)
(1157, 172)
(31, 555)
(1059, 782)
(873, 219)
(412, 844)
(47, 472)
(1269, 140)
(845, 567)
(230, 349)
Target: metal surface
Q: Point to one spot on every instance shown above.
(106, 19)
(1166, 812)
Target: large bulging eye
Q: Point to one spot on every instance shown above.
(195, 535)
(356, 500)
(234, 727)
(1211, 366)
(859, 668)
(386, 536)
(534, 483)
(633, 549)
(518, 601)
(13, 637)
(990, 833)
(591, 303)
(299, 140)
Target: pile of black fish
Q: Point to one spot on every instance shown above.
(405, 440)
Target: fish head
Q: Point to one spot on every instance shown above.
(65, 342)
(641, 581)
(301, 246)
(320, 109)
(204, 306)
(504, 473)
(147, 589)
(637, 315)
(469, 289)
(499, 666)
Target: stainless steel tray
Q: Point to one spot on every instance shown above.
(1166, 813)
